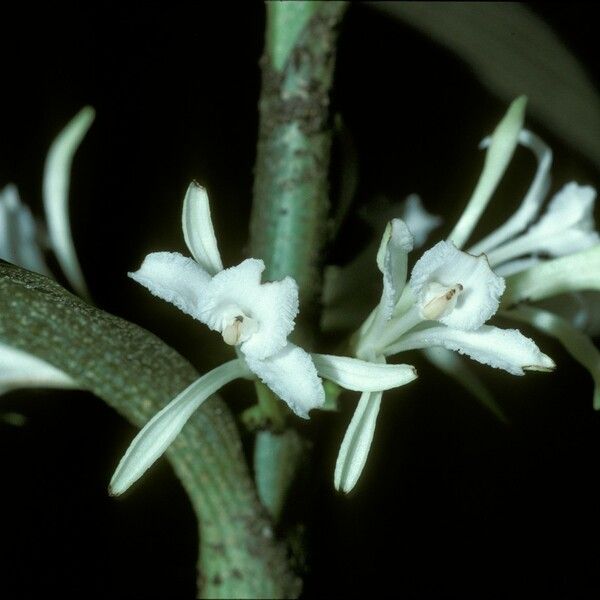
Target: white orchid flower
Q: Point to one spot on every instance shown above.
(554, 261)
(256, 318)
(22, 241)
(450, 296)
(253, 316)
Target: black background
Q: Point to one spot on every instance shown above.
(451, 503)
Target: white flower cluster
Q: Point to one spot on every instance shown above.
(256, 317)
(452, 294)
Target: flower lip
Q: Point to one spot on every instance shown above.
(455, 288)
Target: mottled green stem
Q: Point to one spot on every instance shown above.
(291, 200)
(137, 374)
(291, 191)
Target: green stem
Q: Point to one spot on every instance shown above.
(291, 193)
(135, 373)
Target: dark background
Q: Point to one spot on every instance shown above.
(452, 503)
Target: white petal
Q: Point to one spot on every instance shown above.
(57, 172)
(419, 222)
(580, 271)
(292, 375)
(19, 369)
(273, 306)
(446, 265)
(157, 435)
(454, 366)
(361, 375)
(357, 442)
(392, 261)
(18, 233)
(198, 229)
(506, 349)
(174, 278)
(499, 154)
(568, 226)
(577, 344)
(531, 204)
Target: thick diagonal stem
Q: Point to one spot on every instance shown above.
(135, 373)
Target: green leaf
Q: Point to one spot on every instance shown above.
(513, 52)
(137, 374)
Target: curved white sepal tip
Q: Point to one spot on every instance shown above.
(57, 173)
(198, 230)
(357, 441)
(158, 434)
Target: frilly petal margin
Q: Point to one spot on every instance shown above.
(362, 376)
(292, 375)
(356, 444)
(156, 436)
(198, 230)
(174, 278)
(506, 349)
(445, 264)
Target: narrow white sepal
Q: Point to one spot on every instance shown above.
(566, 227)
(455, 366)
(361, 375)
(357, 441)
(157, 435)
(498, 155)
(19, 369)
(392, 261)
(532, 202)
(57, 172)
(577, 344)
(198, 229)
(576, 272)
(292, 375)
(174, 278)
(506, 349)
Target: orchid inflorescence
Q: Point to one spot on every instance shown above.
(445, 305)
(540, 270)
